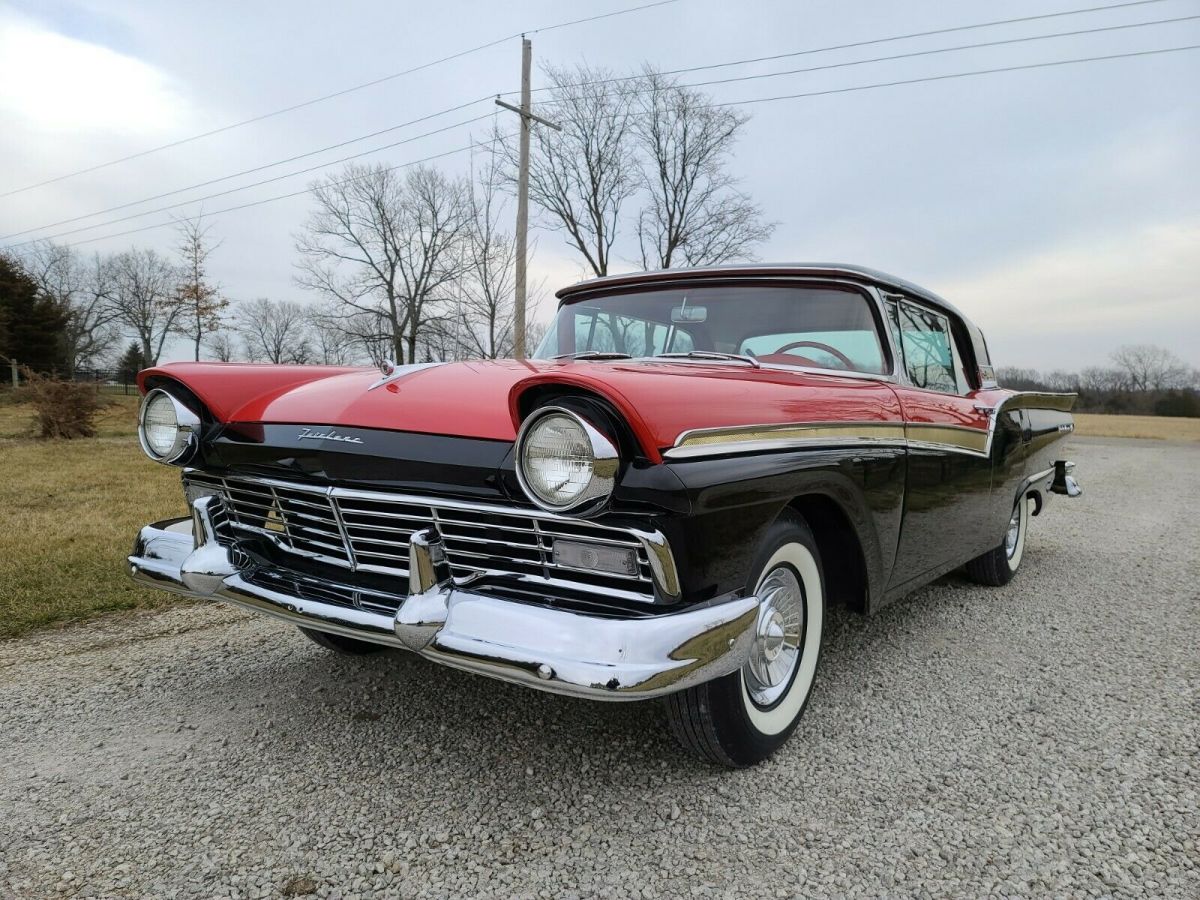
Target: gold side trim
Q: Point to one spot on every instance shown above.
(949, 436)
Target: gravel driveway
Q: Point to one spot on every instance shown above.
(1034, 740)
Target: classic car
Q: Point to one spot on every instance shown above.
(662, 503)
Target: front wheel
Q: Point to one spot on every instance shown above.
(998, 566)
(744, 717)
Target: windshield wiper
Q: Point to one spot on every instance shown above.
(594, 354)
(712, 354)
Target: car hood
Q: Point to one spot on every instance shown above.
(480, 399)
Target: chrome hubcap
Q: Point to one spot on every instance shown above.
(776, 650)
(1014, 532)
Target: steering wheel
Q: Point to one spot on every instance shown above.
(836, 354)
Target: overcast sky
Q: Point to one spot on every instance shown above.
(1058, 207)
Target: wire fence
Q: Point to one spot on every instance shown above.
(117, 381)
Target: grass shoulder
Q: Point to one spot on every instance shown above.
(69, 511)
(1155, 427)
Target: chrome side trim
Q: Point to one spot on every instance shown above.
(555, 650)
(772, 437)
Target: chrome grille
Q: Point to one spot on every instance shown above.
(369, 531)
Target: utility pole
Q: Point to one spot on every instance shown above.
(527, 119)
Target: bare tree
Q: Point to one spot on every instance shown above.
(487, 312)
(200, 301)
(275, 331)
(1099, 379)
(1065, 382)
(333, 344)
(222, 345)
(581, 176)
(1150, 368)
(694, 213)
(386, 245)
(83, 289)
(145, 298)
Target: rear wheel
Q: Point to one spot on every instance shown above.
(744, 717)
(347, 646)
(1000, 564)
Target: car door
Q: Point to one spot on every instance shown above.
(949, 472)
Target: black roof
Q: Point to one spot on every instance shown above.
(814, 270)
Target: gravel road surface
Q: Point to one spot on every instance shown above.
(1035, 740)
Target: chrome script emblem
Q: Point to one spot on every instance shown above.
(307, 434)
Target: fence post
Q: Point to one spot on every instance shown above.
(13, 363)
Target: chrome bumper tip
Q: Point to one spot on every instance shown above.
(559, 651)
(1065, 483)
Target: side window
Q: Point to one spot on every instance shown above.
(928, 348)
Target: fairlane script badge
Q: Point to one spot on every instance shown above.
(307, 434)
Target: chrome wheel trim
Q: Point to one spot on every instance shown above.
(1013, 535)
(779, 637)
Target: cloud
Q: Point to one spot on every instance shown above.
(63, 85)
(1071, 305)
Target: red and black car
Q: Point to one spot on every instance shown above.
(662, 503)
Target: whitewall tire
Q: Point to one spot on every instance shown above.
(998, 566)
(743, 718)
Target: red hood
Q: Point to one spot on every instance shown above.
(479, 399)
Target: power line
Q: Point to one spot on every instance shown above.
(741, 78)
(821, 93)
(854, 44)
(265, 200)
(340, 93)
(270, 165)
(272, 180)
(915, 54)
(883, 84)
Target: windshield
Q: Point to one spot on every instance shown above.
(813, 327)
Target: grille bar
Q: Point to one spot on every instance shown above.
(369, 531)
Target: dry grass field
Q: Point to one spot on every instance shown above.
(1156, 427)
(69, 511)
(117, 419)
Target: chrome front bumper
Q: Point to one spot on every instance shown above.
(553, 650)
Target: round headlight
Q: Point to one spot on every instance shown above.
(166, 427)
(563, 462)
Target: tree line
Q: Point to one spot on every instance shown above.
(1139, 379)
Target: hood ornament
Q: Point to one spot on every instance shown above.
(393, 372)
(307, 434)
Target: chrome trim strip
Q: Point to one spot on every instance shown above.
(555, 650)
(773, 445)
(763, 366)
(703, 442)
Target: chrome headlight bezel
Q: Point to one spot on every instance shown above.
(606, 461)
(187, 430)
